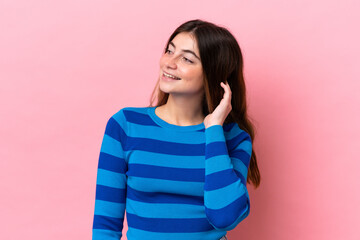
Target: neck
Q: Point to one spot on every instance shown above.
(183, 111)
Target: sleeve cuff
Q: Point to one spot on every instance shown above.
(214, 133)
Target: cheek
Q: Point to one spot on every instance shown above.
(191, 73)
(196, 80)
(197, 75)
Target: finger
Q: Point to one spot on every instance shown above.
(227, 93)
(228, 88)
(223, 85)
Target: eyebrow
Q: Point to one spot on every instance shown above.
(185, 50)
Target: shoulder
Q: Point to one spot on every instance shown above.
(234, 135)
(127, 115)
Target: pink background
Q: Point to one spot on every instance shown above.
(67, 66)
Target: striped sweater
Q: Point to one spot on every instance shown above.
(175, 182)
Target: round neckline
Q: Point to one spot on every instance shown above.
(165, 124)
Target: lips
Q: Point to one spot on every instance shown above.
(170, 76)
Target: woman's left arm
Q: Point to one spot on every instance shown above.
(226, 198)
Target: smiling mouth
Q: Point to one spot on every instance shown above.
(170, 76)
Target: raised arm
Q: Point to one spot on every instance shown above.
(111, 182)
(226, 198)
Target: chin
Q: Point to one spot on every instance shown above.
(162, 87)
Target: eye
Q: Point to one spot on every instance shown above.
(188, 60)
(167, 51)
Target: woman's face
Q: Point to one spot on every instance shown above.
(182, 61)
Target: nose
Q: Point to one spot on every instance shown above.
(171, 62)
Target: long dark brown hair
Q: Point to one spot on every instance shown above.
(222, 60)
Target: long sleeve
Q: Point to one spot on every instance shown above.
(226, 198)
(110, 194)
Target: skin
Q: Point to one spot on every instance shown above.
(220, 113)
(183, 107)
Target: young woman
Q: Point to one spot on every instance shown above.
(179, 169)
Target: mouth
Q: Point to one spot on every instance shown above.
(171, 76)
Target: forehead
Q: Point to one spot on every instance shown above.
(186, 41)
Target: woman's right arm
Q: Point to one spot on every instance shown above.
(110, 194)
